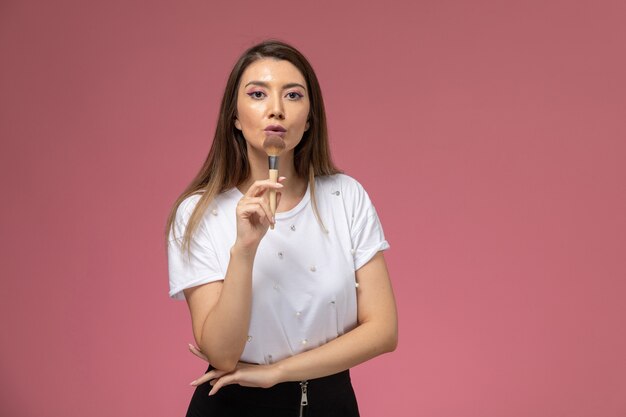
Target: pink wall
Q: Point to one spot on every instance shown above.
(490, 135)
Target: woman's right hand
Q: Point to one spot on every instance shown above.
(254, 215)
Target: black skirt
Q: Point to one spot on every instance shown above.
(330, 396)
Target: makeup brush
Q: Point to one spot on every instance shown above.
(273, 146)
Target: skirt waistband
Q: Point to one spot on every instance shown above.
(289, 394)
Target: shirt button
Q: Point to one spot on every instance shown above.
(275, 286)
(280, 255)
(298, 313)
(249, 338)
(214, 212)
(293, 227)
(356, 284)
(313, 268)
(304, 341)
(352, 251)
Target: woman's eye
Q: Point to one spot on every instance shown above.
(294, 95)
(256, 94)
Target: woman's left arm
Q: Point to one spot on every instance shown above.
(376, 333)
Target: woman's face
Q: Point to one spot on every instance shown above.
(272, 100)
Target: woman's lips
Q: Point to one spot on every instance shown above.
(270, 132)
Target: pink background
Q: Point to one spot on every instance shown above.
(490, 135)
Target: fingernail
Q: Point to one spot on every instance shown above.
(273, 220)
(192, 383)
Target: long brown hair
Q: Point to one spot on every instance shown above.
(227, 166)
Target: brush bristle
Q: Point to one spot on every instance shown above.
(273, 145)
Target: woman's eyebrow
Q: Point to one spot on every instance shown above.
(266, 85)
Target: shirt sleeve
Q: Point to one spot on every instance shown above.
(197, 267)
(366, 230)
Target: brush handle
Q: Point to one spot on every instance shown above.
(273, 178)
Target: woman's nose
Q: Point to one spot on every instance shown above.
(276, 109)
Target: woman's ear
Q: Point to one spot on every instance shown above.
(237, 124)
(306, 126)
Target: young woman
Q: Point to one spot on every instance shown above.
(280, 314)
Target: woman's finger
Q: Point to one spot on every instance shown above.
(212, 374)
(197, 352)
(220, 382)
(258, 205)
(264, 203)
(255, 214)
(259, 187)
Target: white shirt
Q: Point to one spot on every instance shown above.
(304, 289)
